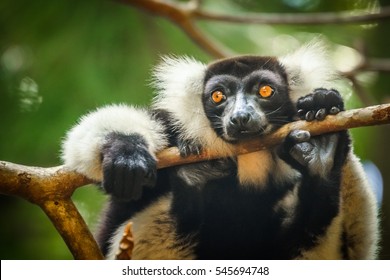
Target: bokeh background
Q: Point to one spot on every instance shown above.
(60, 59)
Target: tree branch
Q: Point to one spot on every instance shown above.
(38, 184)
(51, 188)
(296, 18)
(191, 10)
(374, 115)
(185, 15)
(182, 15)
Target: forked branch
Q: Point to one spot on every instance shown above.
(185, 15)
(52, 188)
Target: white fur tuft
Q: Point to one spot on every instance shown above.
(179, 82)
(81, 148)
(308, 68)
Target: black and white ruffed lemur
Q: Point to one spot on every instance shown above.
(307, 198)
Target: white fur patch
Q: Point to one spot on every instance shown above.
(360, 211)
(179, 83)
(81, 148)
(154, 235)
(309, 68)
(288, 205)
(283, 172)
(255, 168)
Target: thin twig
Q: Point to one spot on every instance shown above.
(367, 65)
(377, 64)
(171, 9)
(360, 91)
(182, 15)
(296, 18)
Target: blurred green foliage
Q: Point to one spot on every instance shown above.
(61, 59)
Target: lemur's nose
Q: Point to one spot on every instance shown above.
(240, 118)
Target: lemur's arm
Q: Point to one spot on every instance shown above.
(320, 161)
(114, 145)
(335, 197)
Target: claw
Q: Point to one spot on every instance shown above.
(321, 114)
(301, 114)
(334, 110)
(187, 148)
(310, 116)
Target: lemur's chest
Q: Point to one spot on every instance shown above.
(253, 169)
(244, 207)
(256, 170)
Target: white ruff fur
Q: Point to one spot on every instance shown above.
(309, 68)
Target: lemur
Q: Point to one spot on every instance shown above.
(307, 198)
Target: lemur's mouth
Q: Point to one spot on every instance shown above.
(247, 132)
(234, 134)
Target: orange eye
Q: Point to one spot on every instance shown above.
(218, 96)
(266, 91)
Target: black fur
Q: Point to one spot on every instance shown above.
(243, 66)
(231, 223)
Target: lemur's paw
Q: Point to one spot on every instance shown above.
(314, 155)
(187, 148)
(319, 104)
(128, 166)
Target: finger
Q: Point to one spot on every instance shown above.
(321, 114)
(310, 115)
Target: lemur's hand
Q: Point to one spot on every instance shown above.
(187, 148)
(321, 154)
(319, 104)
(128, 166)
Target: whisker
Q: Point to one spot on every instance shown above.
(274, 111)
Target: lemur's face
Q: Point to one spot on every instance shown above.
(246, 96)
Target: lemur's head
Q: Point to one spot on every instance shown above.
(240, 97)
(246, 96)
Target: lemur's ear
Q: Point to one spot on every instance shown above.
(308, 68)
(179, 82)
(178, 76)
